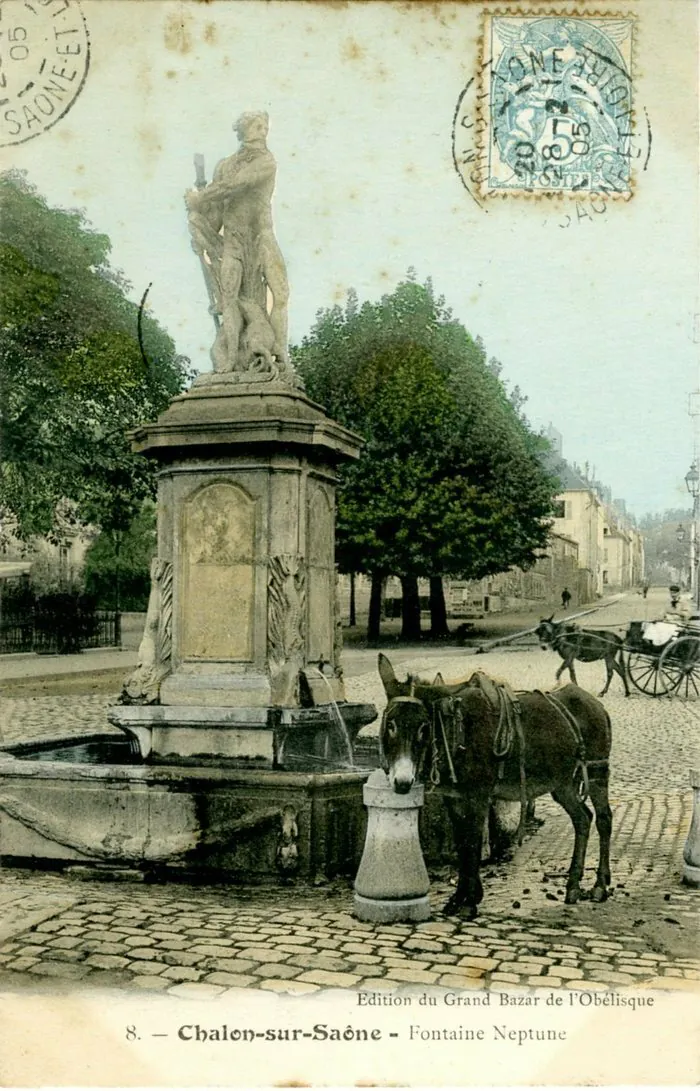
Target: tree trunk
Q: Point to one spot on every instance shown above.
(117, 589)
(375, 607)
(410, 609)
(438, 609)
(353, 604)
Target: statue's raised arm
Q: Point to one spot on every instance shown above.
(229, 182)
(230, 223)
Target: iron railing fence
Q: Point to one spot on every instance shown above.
(50, 629)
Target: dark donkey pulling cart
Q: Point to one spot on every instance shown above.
(660, 658)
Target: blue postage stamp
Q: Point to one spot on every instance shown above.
(556, 104)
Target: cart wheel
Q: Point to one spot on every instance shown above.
(679, 667)
(643, 671)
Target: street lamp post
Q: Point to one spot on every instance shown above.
(692, 482)
(680, 535)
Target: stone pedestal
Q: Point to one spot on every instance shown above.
(392, 882)
(691, 851)
(244, 612)
(237, 702)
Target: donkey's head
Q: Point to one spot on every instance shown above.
(546, 631)
(405, 728)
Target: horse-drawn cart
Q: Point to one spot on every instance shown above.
(663, 658)
(660, 658)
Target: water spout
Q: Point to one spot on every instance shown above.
(338, 718)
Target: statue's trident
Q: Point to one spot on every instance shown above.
(200, 181)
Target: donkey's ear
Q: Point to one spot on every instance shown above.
(438, 680)
(386, 673)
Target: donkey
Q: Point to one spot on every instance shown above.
(477, 742)
(588, 645)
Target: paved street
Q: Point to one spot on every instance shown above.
(57, 932)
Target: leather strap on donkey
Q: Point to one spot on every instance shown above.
(580, 774)
(509, 730)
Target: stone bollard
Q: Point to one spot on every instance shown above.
(392, 881)
(691, 851)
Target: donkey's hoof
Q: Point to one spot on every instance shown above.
(599, 894)
(573, 895)
(455, 907)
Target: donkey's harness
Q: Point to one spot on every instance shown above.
(509, 733)
(448, 730)
(573, 635)
(581, 768)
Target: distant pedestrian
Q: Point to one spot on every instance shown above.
(565, 598)
(645, 588)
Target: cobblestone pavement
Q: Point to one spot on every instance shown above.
(193, 941)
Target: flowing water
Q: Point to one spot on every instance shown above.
(343, 736)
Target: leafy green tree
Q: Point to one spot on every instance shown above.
(73, 377)
(667, 545)
(117, 564)
(451, 480)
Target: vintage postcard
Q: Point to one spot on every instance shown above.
(349, 552)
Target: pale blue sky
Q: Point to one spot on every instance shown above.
(594, 321)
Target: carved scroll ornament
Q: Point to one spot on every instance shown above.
(155, 650)
(286, 626)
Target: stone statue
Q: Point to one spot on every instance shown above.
(230, 223)
(154, 662)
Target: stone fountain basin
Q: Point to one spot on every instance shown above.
(194, 820)
(305, 739)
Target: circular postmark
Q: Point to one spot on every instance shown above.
(44, 59)
(550, 110)
(467, 158)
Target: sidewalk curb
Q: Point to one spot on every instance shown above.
(49, 673)
(14, 657)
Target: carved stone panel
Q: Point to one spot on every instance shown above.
(286, 589)
(320, 531)
(218, 543)
(286, 625)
